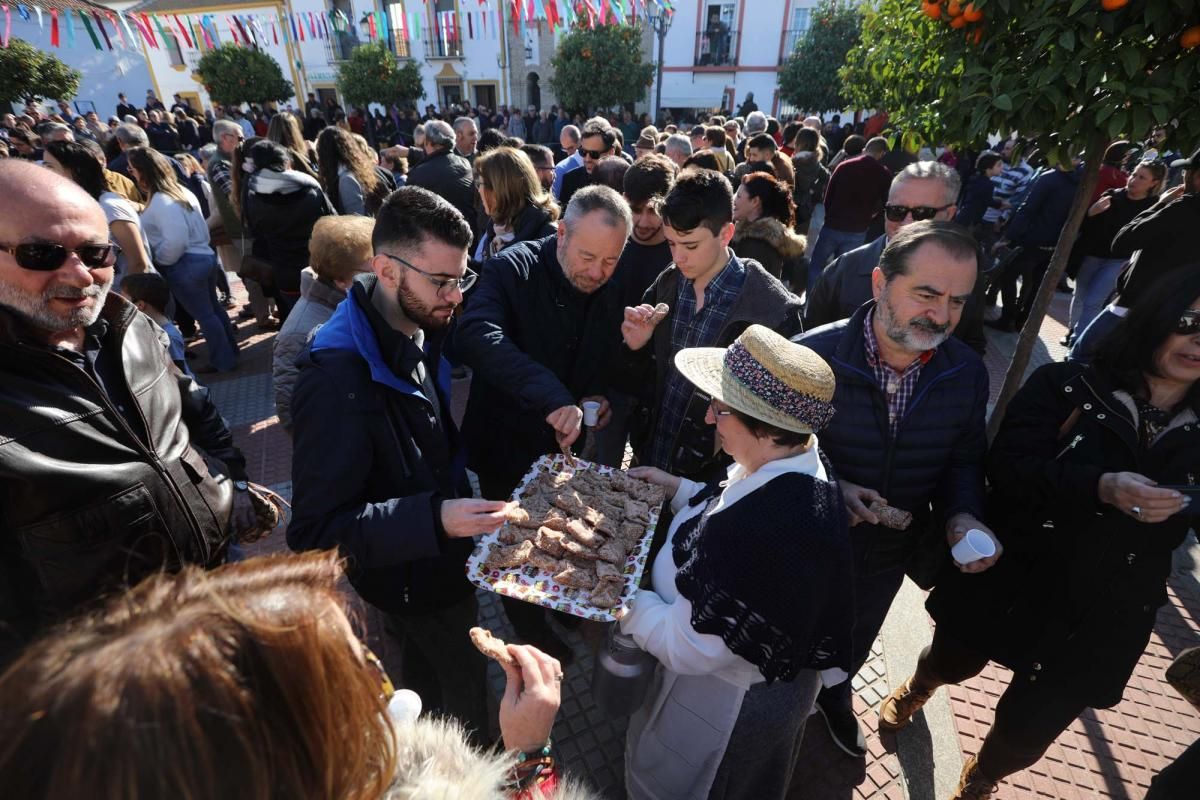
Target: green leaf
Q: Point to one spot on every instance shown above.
(1067, 40)
(1116, 125)
(1003, 102)
(1076, 6)
(1132, 60)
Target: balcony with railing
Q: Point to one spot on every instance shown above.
(717, 48)
(340, 44)
(791, 38)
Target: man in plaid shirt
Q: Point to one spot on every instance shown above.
(712, 296)
(909, 427)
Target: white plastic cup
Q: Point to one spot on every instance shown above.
(591, 413)
(973, 546)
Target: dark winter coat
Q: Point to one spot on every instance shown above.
(449, 176)
(535, 344)
(763, 301)
(809, 188)
(769, 242)
(572, 182)
(976, 199)
(282, 208)
(1160, 239)
(846, 284)
(932, 467)
(1039, 219)
(1074, 597)
(374, 455)
(92, 499)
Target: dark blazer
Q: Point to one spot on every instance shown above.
(1073, 599)
(572, 182)
(932, 467)
(846, 284)
(535, 344)
(450, 176)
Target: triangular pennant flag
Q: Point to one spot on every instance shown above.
(470, 26)
(191, 26)
(7, 27)
(112, 18)
(133, 40)
(147, 30)
(186, 37)
(24, 12)
(38, 11)
(54, 27)
(104, 33)
(274, 33)
(70, 28)
(87, 24)
(233, 31)
(162, 32)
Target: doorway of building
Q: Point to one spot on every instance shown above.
(533, 91)
(451, 94)
(485, 95)
(324, 95)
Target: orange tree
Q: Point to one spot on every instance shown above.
(600, 67)
(809, 78)
(1072, 74)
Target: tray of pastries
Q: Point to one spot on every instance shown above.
(576, 539)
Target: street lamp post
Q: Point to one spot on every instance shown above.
(660, 22)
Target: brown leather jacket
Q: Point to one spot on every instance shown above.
(90, 502)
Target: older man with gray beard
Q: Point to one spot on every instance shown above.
(113, 464)
(909, 430)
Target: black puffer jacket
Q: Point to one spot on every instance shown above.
(88, 503)
(1074, 597)
(281, 208)
(932, 467)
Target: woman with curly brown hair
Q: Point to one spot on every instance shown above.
(347, 173)
(764, 215)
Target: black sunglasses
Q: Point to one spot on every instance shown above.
(595, 155)
(1188, 323)
(48, 256)
(919, 213)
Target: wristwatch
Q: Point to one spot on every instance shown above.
(241, 486)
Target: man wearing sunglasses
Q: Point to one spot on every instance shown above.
(925, 190)
(597, 140)
(375, 466)
(102, 480)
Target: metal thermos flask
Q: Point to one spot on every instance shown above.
(622, 674)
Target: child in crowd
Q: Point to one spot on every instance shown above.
(148, 291)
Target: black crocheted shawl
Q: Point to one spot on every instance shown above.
(771, 574)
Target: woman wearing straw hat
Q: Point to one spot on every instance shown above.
(750, 610)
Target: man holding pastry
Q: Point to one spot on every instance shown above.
(908, 439)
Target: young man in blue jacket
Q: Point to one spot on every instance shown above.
(376, 470)
(909, 429)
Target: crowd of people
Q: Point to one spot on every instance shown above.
(780, 323)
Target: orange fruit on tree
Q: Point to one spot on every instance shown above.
(1113, 5)
(971, 13)
(932, 10)
(958, 22)
(977, 36)
(1190, 37)
(954, 8)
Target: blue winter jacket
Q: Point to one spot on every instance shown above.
(933, 467)
(1041, 216)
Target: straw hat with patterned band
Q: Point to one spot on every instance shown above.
(766, 376)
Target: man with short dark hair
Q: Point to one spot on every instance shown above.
(374, 468)
(857, 191)
(712, 297)
(125, 108)
(922, 191)
(543, 163)
(104, 478)
(443, 172)
(597, 140)
(909, 427)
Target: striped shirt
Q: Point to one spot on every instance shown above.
(691, 328)
(897, 386)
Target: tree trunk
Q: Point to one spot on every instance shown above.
(1058, 264)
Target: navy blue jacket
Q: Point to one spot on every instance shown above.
(1040, 218)
(933, 467)
(976, 199)
(535, 344)
(373, 458)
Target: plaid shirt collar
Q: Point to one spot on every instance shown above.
(897, 386)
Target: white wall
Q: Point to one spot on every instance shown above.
(106, 73)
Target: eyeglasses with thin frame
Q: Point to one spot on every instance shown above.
(1188, 323)
(718, 412)
(49, 256)
(444, 285)
(897, 213)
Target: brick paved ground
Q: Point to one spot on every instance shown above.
(1111, 753)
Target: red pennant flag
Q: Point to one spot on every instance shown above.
(233, 31)
(274, 32)
(300, 25)
(183, 30)
(516, 17)
(54, 27)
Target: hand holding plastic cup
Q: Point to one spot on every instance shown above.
(974, 545)
(591, 413)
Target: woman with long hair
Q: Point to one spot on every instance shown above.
(1091, 474)
(251, 682)
(179, 241)
(84, 164)
(347, 173)
(284, 129)
(281, 205)
(517, 207)
(1096, 271)
(764, 215)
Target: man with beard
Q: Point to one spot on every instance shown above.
(537, 335)
(909, 429)
(102, 481)
(375, 467)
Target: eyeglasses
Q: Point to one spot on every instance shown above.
(1188, 324)
(719, 412)
(443, 285)
(595, 155)
(898, 213)
(48, 256)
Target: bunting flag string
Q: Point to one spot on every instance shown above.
(104, 33)
(112, 19)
